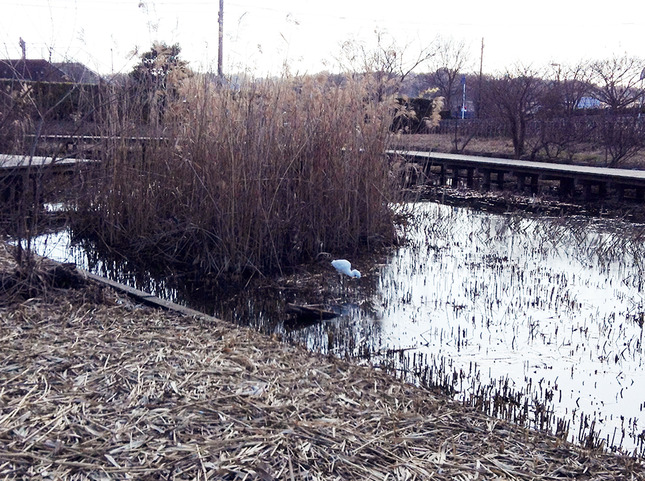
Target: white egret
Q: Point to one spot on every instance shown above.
(343, 266)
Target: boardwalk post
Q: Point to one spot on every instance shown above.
(470, 178)
(567, 187)
(500, 180)
(602, 190)
(535, 186)
(486, 182)
(640, 194)
(600, 181)
(587, 189)
(620, 189)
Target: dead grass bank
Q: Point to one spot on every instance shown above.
(93, 386)
(501, 147)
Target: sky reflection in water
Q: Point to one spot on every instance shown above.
(548, 306)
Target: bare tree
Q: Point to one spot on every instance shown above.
(568, 84)
(575, 84)
(389, 63)
(452, 59)
(557, 130)
(622, 137)
(514, 97)
(617, 81)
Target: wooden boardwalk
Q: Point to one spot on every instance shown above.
(10, 164)
(19, 172)
(483, 172)
(89, 144)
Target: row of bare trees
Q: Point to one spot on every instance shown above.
(596, 103)
(547, 112)
(552, 112)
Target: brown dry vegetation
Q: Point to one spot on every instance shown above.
(444, 143)
(244, 181)
(500, 147)
(95, 386)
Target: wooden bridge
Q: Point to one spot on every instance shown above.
(73, 145)
(570, 180)
(17, 170)
(12, 163)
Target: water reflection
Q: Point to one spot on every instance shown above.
(545, 314)
(538, 320)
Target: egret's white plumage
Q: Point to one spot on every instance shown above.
(345, 267)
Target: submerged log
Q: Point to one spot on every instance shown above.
(308, 313)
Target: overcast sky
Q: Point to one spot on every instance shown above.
(262, 35)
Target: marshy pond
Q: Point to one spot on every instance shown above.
(534, 319)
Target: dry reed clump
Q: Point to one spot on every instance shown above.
(112, 390)
(257, 178)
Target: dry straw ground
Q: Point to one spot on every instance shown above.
(93, 386)
(503, 147)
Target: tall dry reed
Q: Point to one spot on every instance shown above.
(257, 178)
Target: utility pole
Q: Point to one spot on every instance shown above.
(463, 98)
(220, 54)
(640, 110)
(481, 79)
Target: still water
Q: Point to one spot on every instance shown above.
(534, 319)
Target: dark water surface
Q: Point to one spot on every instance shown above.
(534, 319)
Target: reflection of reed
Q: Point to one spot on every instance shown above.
(492, 291)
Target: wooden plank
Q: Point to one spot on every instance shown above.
(94, 138)
(634, 177)
(12, 162)
(147, 298)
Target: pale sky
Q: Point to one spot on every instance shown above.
(262, 35)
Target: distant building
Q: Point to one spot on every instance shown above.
(38, 70)
(589, 103)
(33, 70)
(78, 73)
